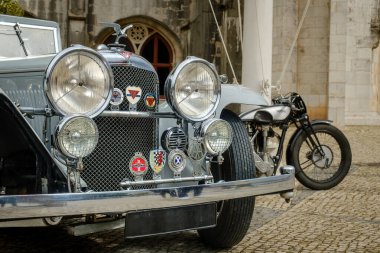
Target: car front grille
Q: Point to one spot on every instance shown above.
(121, 138)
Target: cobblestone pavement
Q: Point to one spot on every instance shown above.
(343, 219)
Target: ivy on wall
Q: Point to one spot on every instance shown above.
(11, 7)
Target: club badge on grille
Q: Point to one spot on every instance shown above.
(196, 150)
(177, 161)
(117, 98)
(157, 160)
(197, 153)
(133, 96)
(138, 165)
(150, 101)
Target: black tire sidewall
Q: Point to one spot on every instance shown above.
(236, 215)
(344, 167)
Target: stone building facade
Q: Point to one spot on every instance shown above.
(335, 65)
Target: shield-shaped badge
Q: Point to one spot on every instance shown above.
(157, 160)
(133, 96)
(150, 101)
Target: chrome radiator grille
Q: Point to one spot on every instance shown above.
(121, 138)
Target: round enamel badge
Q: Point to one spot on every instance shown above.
(117, 97)
(177, 161)
(138, 165)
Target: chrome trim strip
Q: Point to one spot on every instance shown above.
(45, 205)
(132, 114)
(127, 183)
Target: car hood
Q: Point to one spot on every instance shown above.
(25, 64)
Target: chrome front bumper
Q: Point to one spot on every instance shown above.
(65, 204)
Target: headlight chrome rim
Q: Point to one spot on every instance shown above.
(170, 88)
(205, 134)
(60, 136)
(90, 53)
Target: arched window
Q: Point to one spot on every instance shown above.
(157, 51)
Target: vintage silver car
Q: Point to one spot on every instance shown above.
(85, 141)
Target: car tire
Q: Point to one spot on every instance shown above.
(234, 216)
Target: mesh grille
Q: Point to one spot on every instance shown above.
(121, 138)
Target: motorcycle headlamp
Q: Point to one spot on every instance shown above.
(79, 81)
(217, 136)
(76, 136)
(193, 89)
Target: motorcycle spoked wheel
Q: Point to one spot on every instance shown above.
(322, 172)
(234, 216)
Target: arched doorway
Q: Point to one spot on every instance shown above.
(153, 41)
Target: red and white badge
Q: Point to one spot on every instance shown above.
(133, 94)
(138, 165)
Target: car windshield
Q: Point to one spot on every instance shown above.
(18, 40)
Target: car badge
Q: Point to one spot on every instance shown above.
(197, 154)
(157, 160)
(150, 101)
(133, 96)
(117, 98)
(138, 166)
(126, 54)
(177, 161)
(196, 150)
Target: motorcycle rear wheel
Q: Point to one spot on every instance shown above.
(322, 172)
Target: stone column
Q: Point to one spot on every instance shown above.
(257, 45)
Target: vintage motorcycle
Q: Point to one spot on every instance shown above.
(320, 152)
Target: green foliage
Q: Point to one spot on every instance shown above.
(11, 7)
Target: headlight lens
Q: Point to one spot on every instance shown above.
(217, 135)
(79, 81)
(193, 89)
(77, 136)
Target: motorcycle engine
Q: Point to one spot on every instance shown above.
(263, 169)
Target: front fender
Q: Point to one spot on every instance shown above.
(238, 94)
(16, 135)
(297, 134)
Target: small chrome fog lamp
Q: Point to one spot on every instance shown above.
(217, 136)
(76, 136)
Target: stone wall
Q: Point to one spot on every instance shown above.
(285, 21)
(307, 72)
(313, 56)
(361, 60)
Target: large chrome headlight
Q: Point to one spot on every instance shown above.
(217, 135)
(79, 81)
(76, 136)
(193, 89)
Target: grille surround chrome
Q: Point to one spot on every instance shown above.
(119, 137)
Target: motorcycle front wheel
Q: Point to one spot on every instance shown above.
(322, 170)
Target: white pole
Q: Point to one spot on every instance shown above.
(257, 45)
